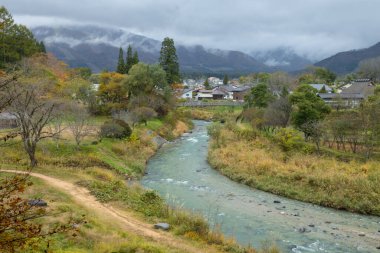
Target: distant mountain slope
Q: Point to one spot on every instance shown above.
(282, 58)
(347, 62)
(98, 47)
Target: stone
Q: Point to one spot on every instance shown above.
(304, 230)
(311, 225)
(277, 202)
(361, 234)
(335, 228)
(199, 170)
(163, 226)
(328, 222)
(378, 247)
(37, 202)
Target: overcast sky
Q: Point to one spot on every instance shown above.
(316, 28)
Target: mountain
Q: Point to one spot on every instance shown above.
(282, 58)
(347, 62)
(97, 48)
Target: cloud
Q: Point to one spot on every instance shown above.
(315, 29)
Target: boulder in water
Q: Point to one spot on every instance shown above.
(277, 202)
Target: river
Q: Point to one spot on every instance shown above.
(179, 172)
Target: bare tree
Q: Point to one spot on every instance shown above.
(278, 112)
(142, 114)
(370, 68)
(79, 125)
(5, 83)
(33, 112)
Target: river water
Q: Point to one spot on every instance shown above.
(179, 172)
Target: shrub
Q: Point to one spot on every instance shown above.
(115, 129)
(288, 139)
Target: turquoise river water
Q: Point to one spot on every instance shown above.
(179, 172)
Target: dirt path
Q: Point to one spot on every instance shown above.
(83, 197)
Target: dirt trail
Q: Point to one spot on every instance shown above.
(83, 197)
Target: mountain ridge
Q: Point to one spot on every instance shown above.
(97, 48)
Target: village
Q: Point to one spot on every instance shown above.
(348, 95)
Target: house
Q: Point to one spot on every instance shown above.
(319, 87)
(240, 92)
(204, 94)
(228, 89)
(186, 94)
(7, 120)
(351, 96)
(218, 94)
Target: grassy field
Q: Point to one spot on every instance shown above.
(247, 157)
(102, 167)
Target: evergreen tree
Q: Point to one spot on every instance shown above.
(169, 61)
(207, 85)
(120, 64)
(16, 41)
(225, 80)
(42, 47)
(129, 59)
(135, 58)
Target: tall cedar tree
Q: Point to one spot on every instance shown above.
(207, 85)
(129, 59)
(120, 64)
(169, 61)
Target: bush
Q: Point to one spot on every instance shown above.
(115, 129)
(288, 139)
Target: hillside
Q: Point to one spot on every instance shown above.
(97, 48)
(347, 62)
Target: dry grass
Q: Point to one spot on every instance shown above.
(259, 163)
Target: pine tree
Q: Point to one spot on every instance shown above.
(42, 47)
(206, 84)
(135, 58)
(120, 64)
(129, 60)
(169, 61)
(225, 80)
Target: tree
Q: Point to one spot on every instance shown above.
(370, 68)
(135, 58)
(278, 112)
(169, 61)
(308, 107)
(16, 41)
(79, 124)
(33, 113)
(325, 75)
(129, 60)
(225, 80)
(19, 228)
(207, 85)
(142, 114)
(147, 87)
(6, 82)
(260, 96)
(112, 93)
(42, 47)
(121, 69)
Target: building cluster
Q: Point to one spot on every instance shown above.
(348, 96)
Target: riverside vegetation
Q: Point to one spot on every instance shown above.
(76, 136)
(296, 146)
